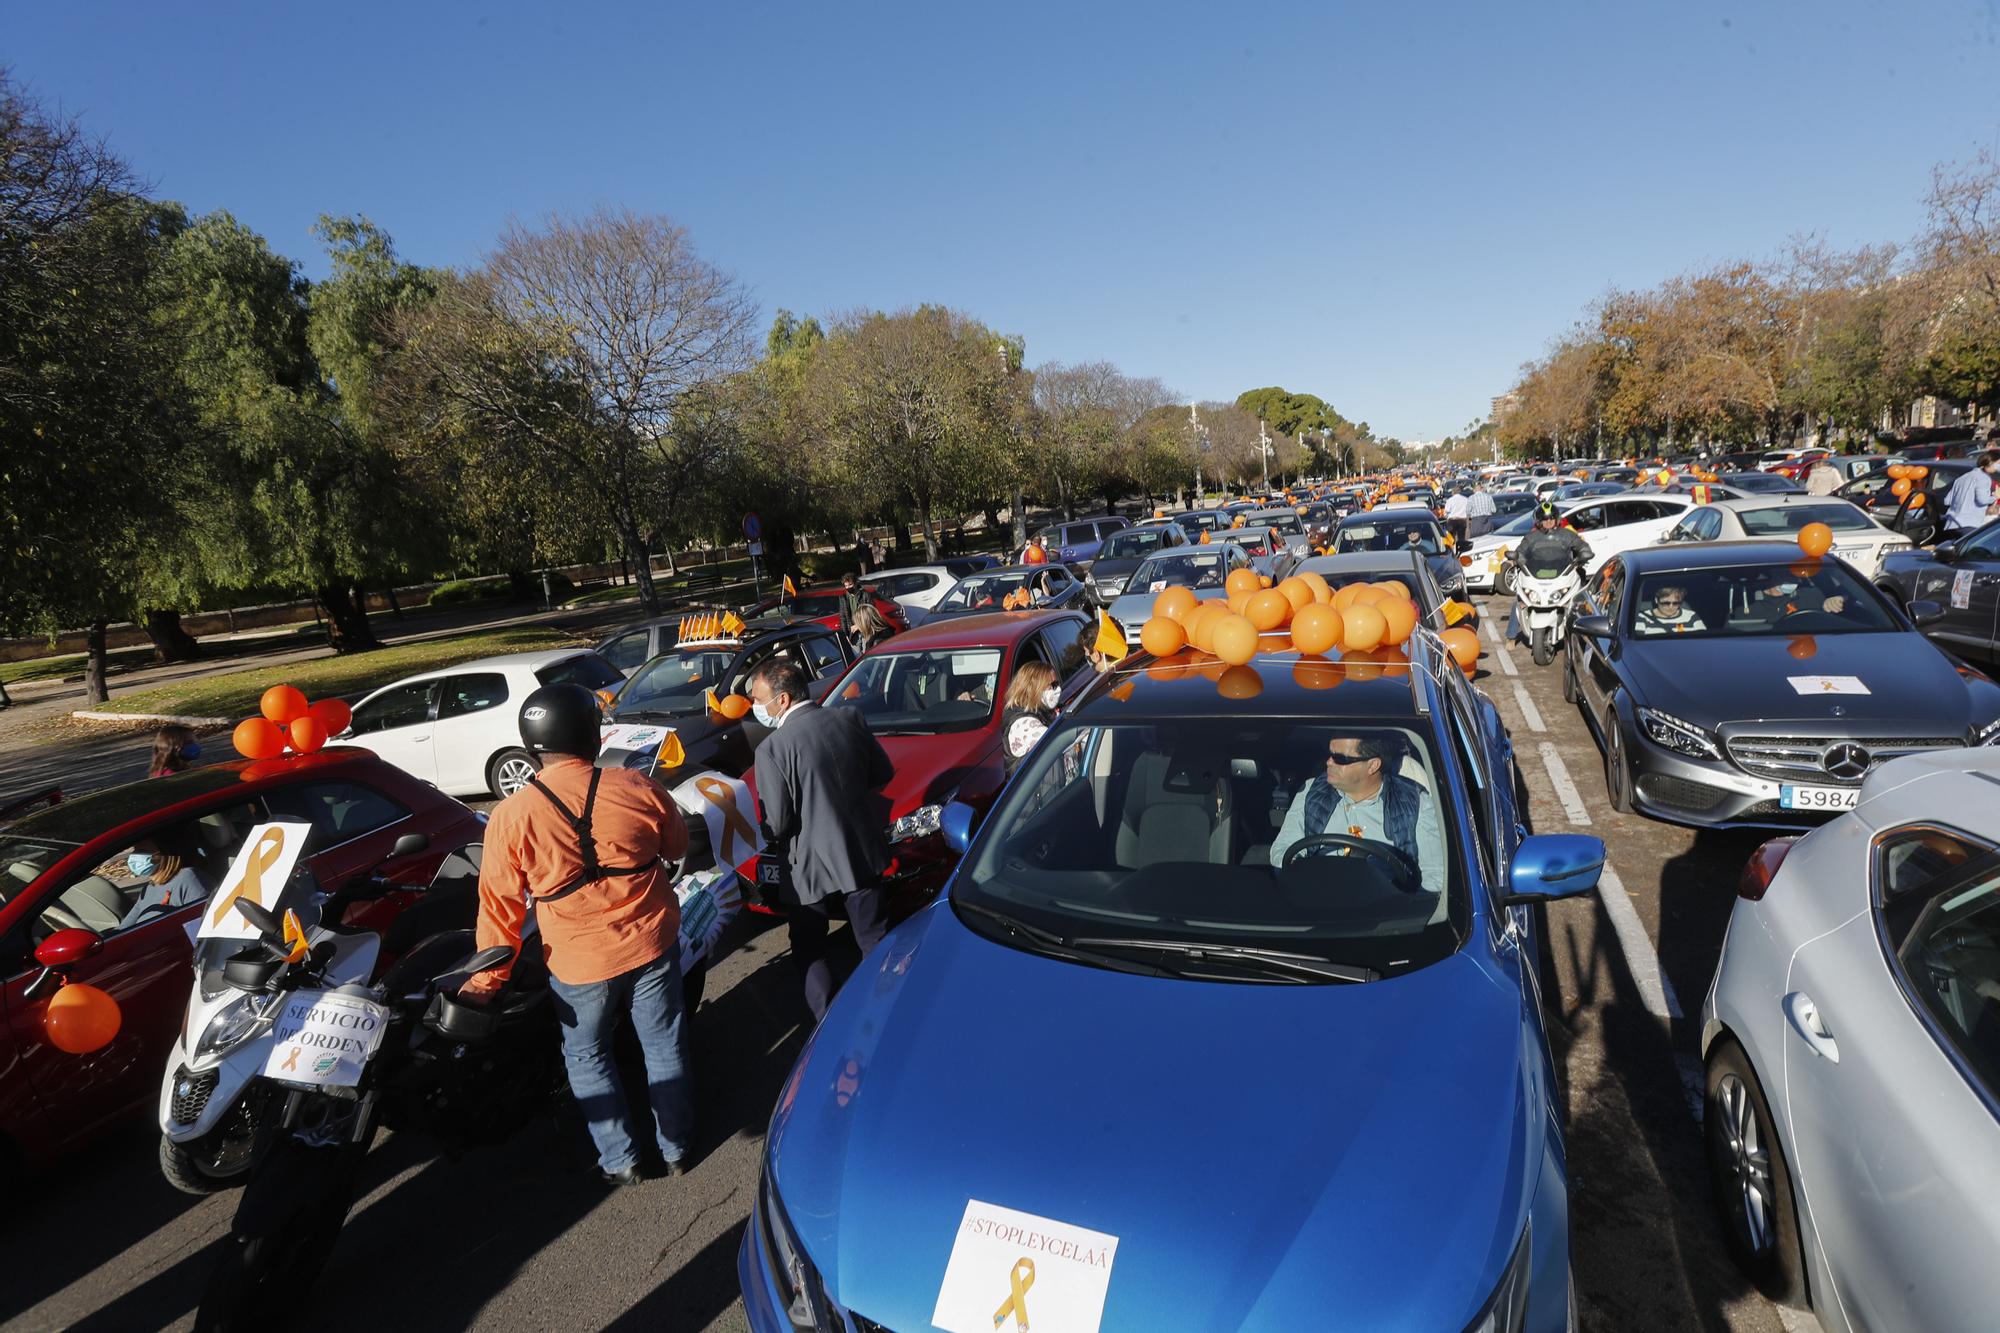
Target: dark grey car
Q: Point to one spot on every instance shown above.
(1962, 577)
(1732, 684)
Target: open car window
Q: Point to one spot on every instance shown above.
(675, 683)
(923, 693)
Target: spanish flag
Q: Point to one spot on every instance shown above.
(790, 591)
(1110, 640)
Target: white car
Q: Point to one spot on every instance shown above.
(1857, 538)
(1852, 1046)
(1612, 524)
(460, 727)
(918, 588)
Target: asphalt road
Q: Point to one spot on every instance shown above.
(522, 1237)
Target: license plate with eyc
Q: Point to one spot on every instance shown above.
(1817, 798)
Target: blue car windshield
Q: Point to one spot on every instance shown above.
(1216, 832)
(1803, 597)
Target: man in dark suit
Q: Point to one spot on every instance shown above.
(816, 777)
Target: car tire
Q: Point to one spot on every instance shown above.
(1503, 582)
(1571, 694)
(1749, 1177)
(509, 771)
(1617, 769)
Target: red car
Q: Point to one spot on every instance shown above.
(66, 867)
(933, 696)
(822, 604)
(1797, 468)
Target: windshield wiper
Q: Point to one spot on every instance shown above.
(1294, 964)
(1054, 945)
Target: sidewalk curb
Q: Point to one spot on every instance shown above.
(165, 719)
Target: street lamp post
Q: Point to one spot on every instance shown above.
(1264, 453)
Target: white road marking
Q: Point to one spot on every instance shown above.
(1506, 659)
(1566, 792)
(1654, 987)
(1528, 709)
(1492, 634)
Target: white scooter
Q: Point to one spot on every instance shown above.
(1542, 599)
(212, 1103)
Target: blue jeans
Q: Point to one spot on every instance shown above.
(589, 1015)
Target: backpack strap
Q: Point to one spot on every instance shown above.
(586, 841)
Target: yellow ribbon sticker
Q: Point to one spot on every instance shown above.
(1016, 1303)
(269, 851)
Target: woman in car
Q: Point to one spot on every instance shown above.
(1669, 613)
(1031, 707)
(165, 862)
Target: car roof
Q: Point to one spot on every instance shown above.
(532, 661)
(1387, 511)
(1783, 501)
(982, 629)
(1404, 561)
(1288, 684)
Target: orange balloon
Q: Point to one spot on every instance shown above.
(1263, 580)
(1316, 630)
(1162, 637)
(1917, 472)
(1897, 472)
(1395, 662)
(1242, 580)
(1356, 665)
(333, 714)
(1394, 590)
(1298, 592)
(1200, 624)
(1174, 603)
(1803, 646)
(80, 1019)
(1464, 645)
(282, 703)
(1900, 487)
(1917, 500)
(1322, 590)
(1365, 627)
(306, 734)
(1240, 682)
(1367, 594)
(1312, 674)
(1815, 539)
(1268, 609)
(258, 738)
(1343, 597)
(734, 705)
(1238, 601)
(1400, 615)
(1234, 640)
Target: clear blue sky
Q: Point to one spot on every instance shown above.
(1391, 205)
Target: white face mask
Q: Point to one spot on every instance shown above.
(1051, 697)
(764, 716)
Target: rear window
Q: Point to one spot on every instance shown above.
(1789, 519)
(585, 669)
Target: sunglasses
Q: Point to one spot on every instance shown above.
(1345, 759)
(1666, 601)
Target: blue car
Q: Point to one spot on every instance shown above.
(1137, 1070)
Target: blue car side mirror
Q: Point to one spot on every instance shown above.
(1554, 865)
(957, 823)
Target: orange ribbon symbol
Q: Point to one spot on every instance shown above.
(270, 849)
(291, 1061)
(1020, 1279)
(734, 825)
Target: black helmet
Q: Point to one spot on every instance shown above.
(561, 719)
(1545, 512)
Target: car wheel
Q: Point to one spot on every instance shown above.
(1503, 582)
(1570, 692)
(509, 771)
(1617, 772)
(1749, 1177)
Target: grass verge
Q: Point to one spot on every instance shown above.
(235, 694)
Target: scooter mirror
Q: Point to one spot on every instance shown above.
(485, 960)
(260, 916)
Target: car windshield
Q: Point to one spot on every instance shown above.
(922, 694)
(23, 859)
(1802, 597)
(1517, 526)
(1114, 844)
(1134, 542)
(1789, 519)
(1190, 569)
(676, 683)
(1763, 481)
(1389, 534)
(988, 591)
(1289, 525)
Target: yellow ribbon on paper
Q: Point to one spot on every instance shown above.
(1016, 1303)
(270, 850)
(718, 794)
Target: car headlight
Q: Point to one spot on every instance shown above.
(798, 1281)
(234, 1024)
(1453, 582)
(1681, 737)
(917, 823)
(1507, 1309)
(1989, 734)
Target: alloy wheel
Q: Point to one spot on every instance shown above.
(1748, 1161)
(514, 774)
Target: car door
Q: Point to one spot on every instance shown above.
(474, 722)
(1891, 1032)
(1968, 588)
(396, 724)
(628, 650)
(1596, 673)
(826, 658)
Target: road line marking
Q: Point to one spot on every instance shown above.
(1566, 792)
(1528, 709)
(1486, 624)
(1640, 959)
(1506, 659)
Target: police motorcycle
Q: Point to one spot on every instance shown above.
(212, 1103)
(1542, 598)
(340, 1058)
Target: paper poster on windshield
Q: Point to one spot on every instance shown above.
(1961, 590)
(325, 1038)
(1013, 1272)
(725, 804)
(258, 875)
(1828, 684)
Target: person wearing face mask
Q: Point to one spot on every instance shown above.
(1031, 707)
(166, 865)
(1971, 500)
(817, 774)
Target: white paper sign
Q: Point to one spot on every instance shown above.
(631, 736)
(1012, 1272)
(1961, 590)
(709, 900)
(725, 804)
(325, 1038)
(1828, 684)
(258, 873)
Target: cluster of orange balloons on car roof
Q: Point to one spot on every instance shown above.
(286, 721)
(1365, 624)
(1903, 480)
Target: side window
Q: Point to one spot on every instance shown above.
(1911, 858)
(1587, 519)
(1687, 530)
(474, 692)
(1470, 761)
(1986, 545)
(1106, 527)
(627, 650)
(399, 706)
(338, 811)
(1946, 938)
(823, 655)
(585, 669)
(167, 870)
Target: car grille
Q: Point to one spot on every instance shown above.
(1798, 758)
(1665, 789)
(191, 1094)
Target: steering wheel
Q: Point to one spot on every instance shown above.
(1401, 869)
(1805, 622)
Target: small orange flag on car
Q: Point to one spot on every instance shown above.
(1110, 639)
(708, 697)
(790, 590)
(671, 753)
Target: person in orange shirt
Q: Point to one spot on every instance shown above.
(593, 851)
